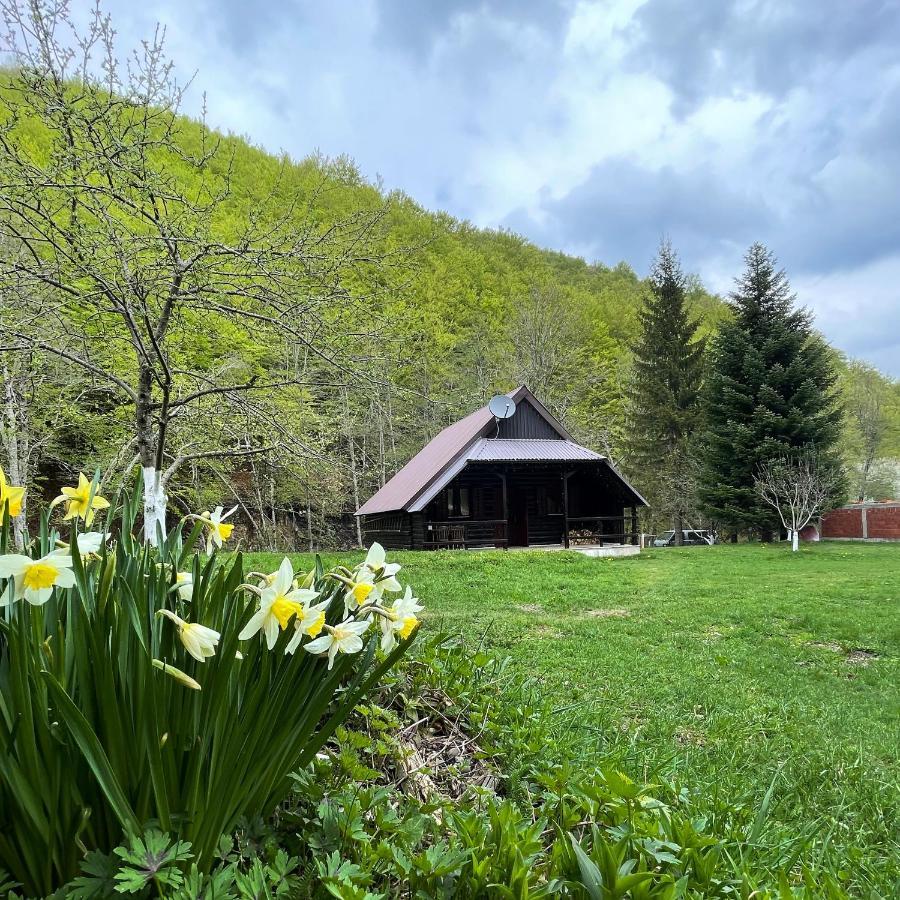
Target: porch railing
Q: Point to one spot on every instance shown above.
(581, 531)
(584, 530)
(470, 533)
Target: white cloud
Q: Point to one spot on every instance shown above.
(717, 123)
(859, 309)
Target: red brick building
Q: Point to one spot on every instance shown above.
(863, 522)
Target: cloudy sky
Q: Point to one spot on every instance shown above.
(594, 126)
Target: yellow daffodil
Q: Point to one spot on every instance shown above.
(34, 579)
(11, 495)
(177, 674)
(343, 638)
(79, 503)
(399, 619)
(198, 640)
(308, 624)
(279, 602)
(218, 530)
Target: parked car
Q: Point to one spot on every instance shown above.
(691, 536)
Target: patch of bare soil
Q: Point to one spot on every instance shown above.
(547, 631)
(827, 645)
(436, 755)
(530, 607)
(608, 613)
(689, 737)
(860, 656)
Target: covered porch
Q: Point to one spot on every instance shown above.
(568, 504)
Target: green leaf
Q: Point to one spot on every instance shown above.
(591, 879)
(93, 753)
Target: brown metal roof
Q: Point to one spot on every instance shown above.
(528, 450)
(467, 440)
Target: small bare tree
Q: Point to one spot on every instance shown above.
(128, 237)
(797, 488)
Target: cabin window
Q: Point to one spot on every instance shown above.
(458, 503)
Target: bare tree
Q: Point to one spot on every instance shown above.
(548, 355)
(136, 239)
(797, 488)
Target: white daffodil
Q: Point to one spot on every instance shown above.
(399, 619)
(278, 603)
(89, 544)
(218, 530)
(343, 638)
(177, 674)
(198, 640)
(34, 579)
(185, 582)
(381, 573)
(309, 624)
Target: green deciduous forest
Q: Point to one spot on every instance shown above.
(307, 365)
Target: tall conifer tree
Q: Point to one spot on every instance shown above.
(665, 390)
(770, 392)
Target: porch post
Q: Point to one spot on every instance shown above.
(565, 486)
(634, 525)
(505, 510)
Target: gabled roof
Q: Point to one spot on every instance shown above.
(471, 440)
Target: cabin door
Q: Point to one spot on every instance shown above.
(518, 518)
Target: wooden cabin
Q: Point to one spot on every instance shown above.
(510, 482)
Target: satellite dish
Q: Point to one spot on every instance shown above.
(501, 406)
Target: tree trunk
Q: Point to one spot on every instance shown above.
(679, 532)
(155, 500)
(795, 540)
(155, 503)
(355, 479)
(359, 535)
(15, 459)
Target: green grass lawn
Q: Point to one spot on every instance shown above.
(724, 669)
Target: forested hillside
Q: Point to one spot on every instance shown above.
(418, 318)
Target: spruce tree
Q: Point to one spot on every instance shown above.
(770, 393)
(665, 390)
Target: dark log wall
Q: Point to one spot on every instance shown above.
(417, 524)
(595, 493)
(392, 530)
(543, 488)
(526, 422)
(485, 503)
(541, 485)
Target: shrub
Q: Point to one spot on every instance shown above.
(135, 689)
